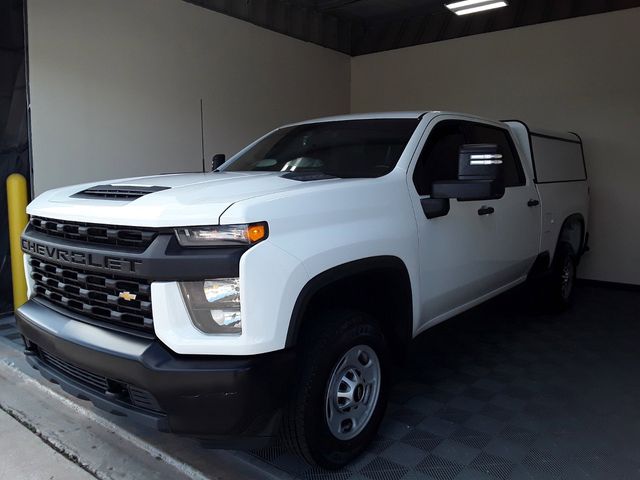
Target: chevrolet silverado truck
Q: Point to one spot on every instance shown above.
(270, 296)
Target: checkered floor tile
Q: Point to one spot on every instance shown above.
(507, 392)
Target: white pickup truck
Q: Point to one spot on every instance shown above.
(270, 295)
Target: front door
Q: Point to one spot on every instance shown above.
(478, 247)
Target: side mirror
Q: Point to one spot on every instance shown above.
(480, 175)
(217, 161)
(479, 162)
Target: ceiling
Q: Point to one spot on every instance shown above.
(371, 9)
(358, 27)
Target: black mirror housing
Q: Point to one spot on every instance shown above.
(217, 161)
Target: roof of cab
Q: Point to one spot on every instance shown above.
(365, 116)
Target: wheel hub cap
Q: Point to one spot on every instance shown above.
(352, 392)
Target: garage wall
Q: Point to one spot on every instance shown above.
(116, 86)
(581, 75)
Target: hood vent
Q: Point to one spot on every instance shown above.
(117, 192)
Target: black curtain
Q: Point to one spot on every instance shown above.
(14, 145)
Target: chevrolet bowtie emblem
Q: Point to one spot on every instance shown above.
(127, 296)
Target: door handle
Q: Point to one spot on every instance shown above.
(533, 203)
(486, 211)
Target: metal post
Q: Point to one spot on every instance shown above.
(17, 203)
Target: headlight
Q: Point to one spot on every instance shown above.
(214, 305)
(222, 235)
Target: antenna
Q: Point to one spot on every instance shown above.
(202, 135)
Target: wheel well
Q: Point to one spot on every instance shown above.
(572, 232)
(379, 286)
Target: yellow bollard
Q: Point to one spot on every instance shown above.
(17, 202)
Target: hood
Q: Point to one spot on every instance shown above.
(163, 200)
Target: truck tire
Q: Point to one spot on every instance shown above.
(341, 392)
(558, 287)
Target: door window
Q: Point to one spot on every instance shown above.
(439, 157)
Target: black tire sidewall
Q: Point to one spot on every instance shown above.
(327, 450)
(568, 259)
(564, 254)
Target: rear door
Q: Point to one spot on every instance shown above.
(479, 247)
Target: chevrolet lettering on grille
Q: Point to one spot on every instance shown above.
(80, 258)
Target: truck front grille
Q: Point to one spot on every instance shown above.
(95, 233)
(118, 390)
(96, 295)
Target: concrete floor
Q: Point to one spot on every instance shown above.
(24, 456)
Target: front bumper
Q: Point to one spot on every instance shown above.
(228, 401)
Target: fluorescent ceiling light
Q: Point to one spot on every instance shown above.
(466, 3)
(472, 6)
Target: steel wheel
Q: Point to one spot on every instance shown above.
(352, 392)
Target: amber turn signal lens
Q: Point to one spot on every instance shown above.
(256, 233)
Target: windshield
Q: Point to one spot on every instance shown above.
(346, 149)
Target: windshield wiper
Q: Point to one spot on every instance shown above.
(308, 176)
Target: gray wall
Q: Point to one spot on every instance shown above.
(581, 74)
(116, 86)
